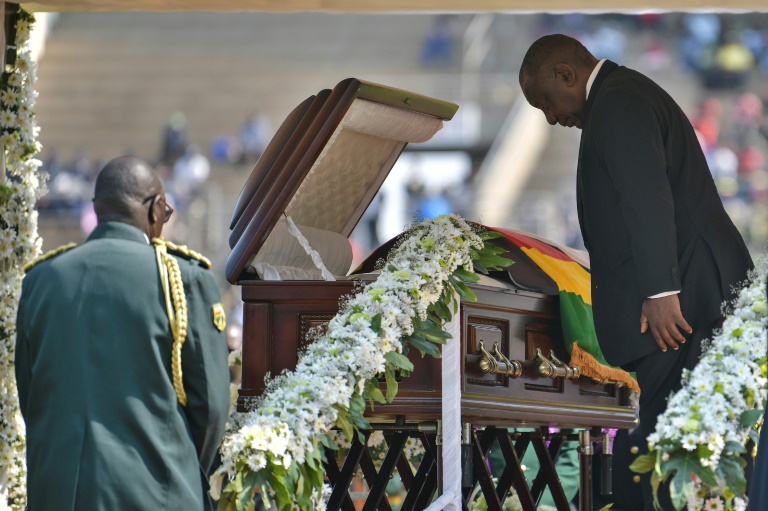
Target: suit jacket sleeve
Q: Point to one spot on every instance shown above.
(631, 141)
(204, 367)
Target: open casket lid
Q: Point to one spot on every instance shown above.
(327, 161)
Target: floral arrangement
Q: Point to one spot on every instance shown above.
(699, 440)
(278, 447)
(20, 187)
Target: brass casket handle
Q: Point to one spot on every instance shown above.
(498, 364)
(553, 367)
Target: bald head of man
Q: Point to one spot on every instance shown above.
(553, 77)
(128, 190)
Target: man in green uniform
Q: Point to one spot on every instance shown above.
(121, 362)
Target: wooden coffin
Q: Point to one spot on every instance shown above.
(322, 169)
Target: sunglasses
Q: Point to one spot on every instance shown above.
(168, 210)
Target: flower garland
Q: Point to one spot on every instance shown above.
(20, 187)
(278, 447)
(699, 439)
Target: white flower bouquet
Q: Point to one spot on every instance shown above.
(699, 440)
(20, 187)
(279, 446)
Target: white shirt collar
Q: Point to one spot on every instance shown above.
(146, 238)
(593, 76)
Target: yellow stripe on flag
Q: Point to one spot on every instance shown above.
(569, 276)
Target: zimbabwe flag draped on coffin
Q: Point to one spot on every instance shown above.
(574, 283)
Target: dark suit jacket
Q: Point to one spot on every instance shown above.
(105, 430)
(649, 212)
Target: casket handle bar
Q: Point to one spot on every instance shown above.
(498, 364)
(553, 367)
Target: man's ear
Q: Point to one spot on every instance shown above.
(152, 213)
(564, 73)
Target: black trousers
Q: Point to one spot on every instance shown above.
(658, 375)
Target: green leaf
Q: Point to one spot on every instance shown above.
(731, 470)
(734, 447)
(327, 441)
(495, 261)
(606, 508)
(373, 392)
(479, 268)
(425, 347)
(376, 323)
(463, 290)
(357, 404)
(679, 491)
(492, 249)
(433, 333)
(655, 482)
(682, 466)
(748, 418)
(343, 423)
(466, 276)
(391, 384)
(704, 452)
(399, 360)
(283, 498)
(485, 235)
(643, 463)
(249, 482)
(305, 481)
(311, 464)
(228, 499)
(442, 310)
(264, 492)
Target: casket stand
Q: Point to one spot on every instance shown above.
(322, 169)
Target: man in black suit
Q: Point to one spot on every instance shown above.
(664, 253)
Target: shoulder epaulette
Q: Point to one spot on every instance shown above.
(49, 255)
(182, 250)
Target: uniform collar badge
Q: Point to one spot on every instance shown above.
(219, 318)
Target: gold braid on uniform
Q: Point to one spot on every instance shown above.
(48, 255)
(176, 304)
(183, 250)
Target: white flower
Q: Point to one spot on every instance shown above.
(14, 80)
(714, 504)
(7, 119)
(9, 97)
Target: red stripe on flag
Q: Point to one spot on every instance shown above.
(526, 242)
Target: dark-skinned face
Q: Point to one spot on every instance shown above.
(558, 94)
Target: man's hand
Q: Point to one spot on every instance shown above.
(666, 321)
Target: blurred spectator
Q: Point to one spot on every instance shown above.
(607, 42)
(175, 140)
(189, 173)
(437, 47)
(728, 65)
(433, 204)
(226, 149)
(655, 57)
(254, 135)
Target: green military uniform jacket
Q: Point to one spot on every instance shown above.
(105, 430)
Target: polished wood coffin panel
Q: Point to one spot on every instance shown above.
(279, 315)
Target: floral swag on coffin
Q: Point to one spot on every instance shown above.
(278, 447)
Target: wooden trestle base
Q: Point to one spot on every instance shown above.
(422, 486)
